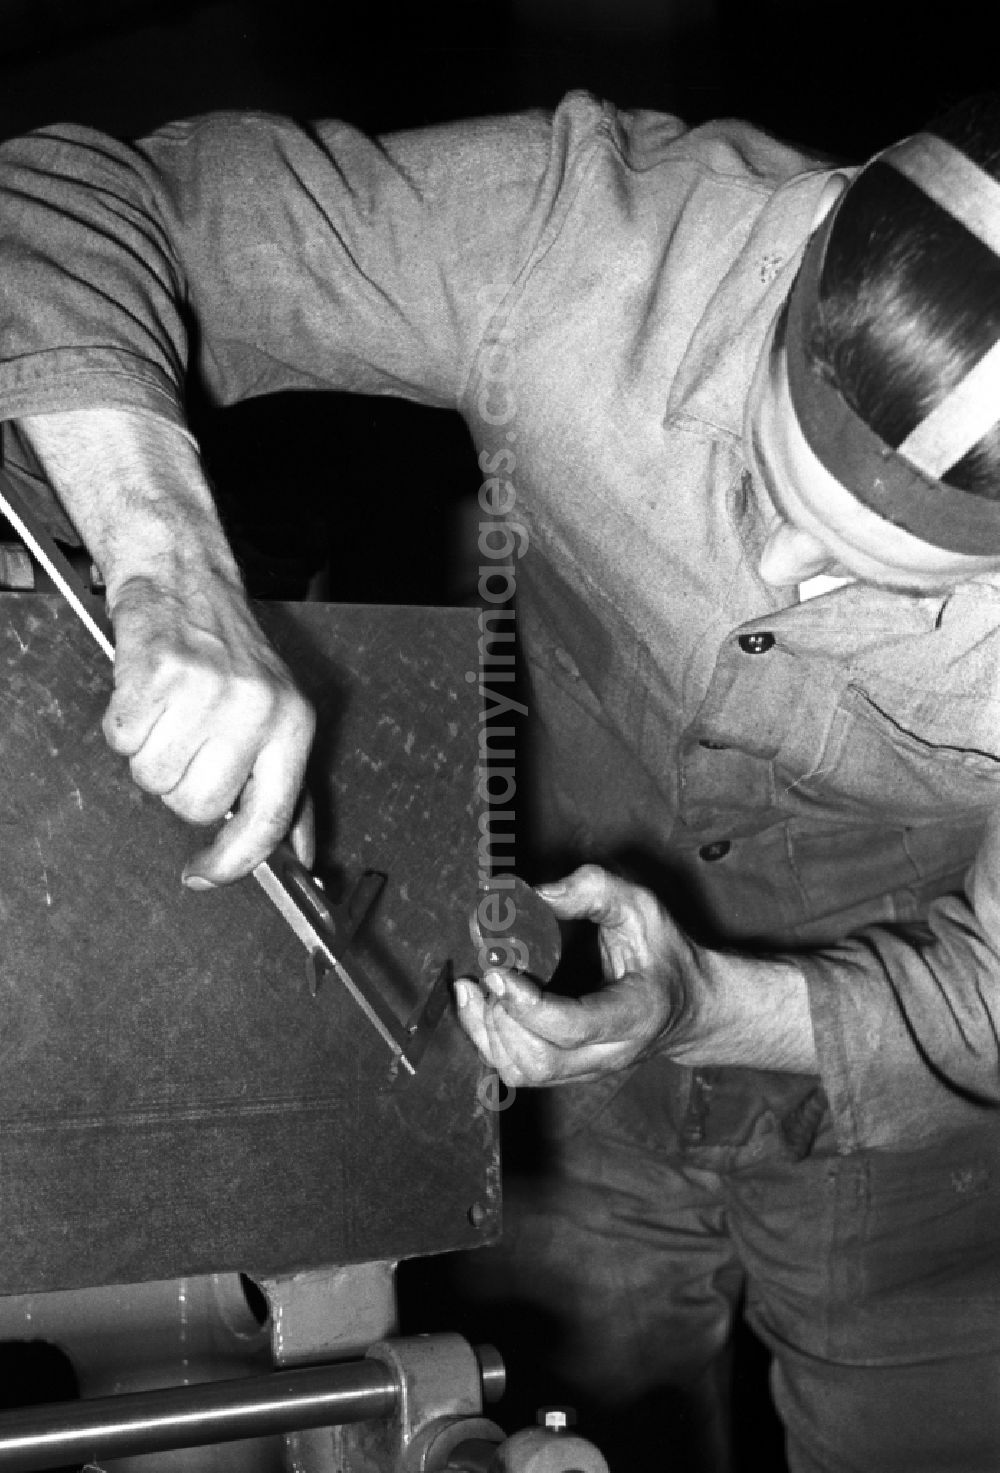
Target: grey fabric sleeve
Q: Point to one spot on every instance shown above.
(907, 1019)
(268, 255)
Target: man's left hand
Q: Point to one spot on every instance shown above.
(653, 982)
(665, 993)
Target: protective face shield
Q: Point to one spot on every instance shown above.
(903, 483)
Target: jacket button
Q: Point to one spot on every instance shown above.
(718, 850)
(756, 644)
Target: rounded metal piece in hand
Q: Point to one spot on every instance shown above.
(510, 925)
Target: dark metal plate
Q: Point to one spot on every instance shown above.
(172, 1098)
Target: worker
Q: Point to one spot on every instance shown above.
(736, 415)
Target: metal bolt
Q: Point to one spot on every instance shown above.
(556, 1419)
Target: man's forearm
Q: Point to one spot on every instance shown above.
(203, 708)
(134, 488)
(750, 1012)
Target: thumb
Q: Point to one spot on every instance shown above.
(589, 893)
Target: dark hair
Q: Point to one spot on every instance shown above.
(910, 299)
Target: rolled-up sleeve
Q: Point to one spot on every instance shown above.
(269, 255)
(907, 1019)
(90, 286)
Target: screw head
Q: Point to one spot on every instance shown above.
(556, 1419)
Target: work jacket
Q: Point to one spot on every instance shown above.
(591, 290)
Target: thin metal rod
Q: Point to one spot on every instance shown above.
(192, 1416)
(60, 570)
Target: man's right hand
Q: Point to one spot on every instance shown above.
(205, 711)
(210, 721)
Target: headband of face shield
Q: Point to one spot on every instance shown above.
(904, 483)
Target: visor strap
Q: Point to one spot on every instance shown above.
(972, 197)
(959, 422)
(872, 470)
(951, 179)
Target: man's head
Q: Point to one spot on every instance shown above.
(874, 420)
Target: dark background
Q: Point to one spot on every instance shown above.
(843, 79)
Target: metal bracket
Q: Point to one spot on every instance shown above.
(442, 1384)
(326, 929)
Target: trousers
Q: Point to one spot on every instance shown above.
(873, 1280)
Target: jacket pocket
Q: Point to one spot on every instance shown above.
(916, 1257)
(875, 766)
(882, 822)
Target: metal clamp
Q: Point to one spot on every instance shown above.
(443, 1383)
